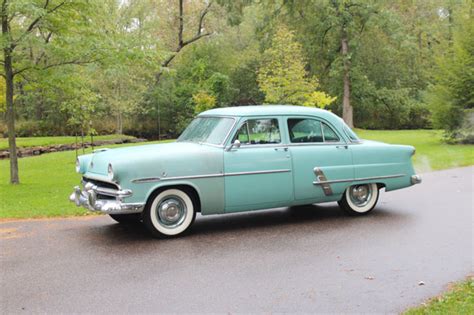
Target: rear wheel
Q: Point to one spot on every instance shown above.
(359, 199)
(129, 218)
(169, 212)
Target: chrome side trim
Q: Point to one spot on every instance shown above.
(258, 172)
(356, 179)
(156, 179)
(145, 180)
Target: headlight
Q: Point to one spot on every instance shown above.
(78, 165)
(110, 172)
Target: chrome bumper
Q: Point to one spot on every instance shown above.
(87, 198)
(415, 179)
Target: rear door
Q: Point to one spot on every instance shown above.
(319, 154)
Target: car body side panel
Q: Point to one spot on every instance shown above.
(391, 163)
(209, 190)
(335, 161)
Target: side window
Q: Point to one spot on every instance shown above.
(259, 131)
(329, 134)
(304, 130)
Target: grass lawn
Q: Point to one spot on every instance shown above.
(45, 141)
(458, 300)
(47, 180)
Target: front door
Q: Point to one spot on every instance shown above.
(319, 154)
(258, 174)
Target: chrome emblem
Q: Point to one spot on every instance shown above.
(322, 178)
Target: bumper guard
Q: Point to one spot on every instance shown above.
(87, 198)
(415, 179)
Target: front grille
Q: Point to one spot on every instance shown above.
(101, 183)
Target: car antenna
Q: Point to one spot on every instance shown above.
(92, 135)
(75, 146)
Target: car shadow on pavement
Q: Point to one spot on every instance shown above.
(299, 220)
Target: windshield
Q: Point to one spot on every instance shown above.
(211, 130)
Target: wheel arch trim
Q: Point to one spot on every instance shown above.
(175, 185)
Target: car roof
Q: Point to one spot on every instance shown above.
(272, 110)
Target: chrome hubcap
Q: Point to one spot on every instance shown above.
(360, 194)
(171, 211)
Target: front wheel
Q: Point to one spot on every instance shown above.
(359, 199)
(169, 213)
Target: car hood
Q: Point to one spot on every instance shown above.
(150, 154)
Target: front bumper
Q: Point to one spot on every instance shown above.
(415, 179)
(88, 198)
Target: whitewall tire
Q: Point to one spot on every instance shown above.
(169, 212)
(359, 199)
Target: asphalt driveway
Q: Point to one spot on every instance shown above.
(308, 259)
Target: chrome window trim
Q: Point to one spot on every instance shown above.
(357, 179)
(316, 144)
(268, 145)
(349, 137)
(156, 179)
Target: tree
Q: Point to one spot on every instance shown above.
(33, 34)
(2, 95)
(282, 75)
(453, 90)
(182, 42)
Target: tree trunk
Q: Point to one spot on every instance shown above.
(10, 115)
(347, 114)
(119, 126)
(11, 118)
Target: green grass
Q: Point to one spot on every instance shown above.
(47, 180)
(458, 300)
(431, 152)
(46, 183)
(46, 141)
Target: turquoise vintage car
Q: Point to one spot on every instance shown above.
(239, 159)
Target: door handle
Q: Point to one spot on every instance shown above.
(283, 149)
(342, 146)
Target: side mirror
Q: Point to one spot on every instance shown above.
(236, 145)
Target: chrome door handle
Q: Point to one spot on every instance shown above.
(283, 149)
(342, 146)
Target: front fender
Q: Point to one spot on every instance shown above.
(210, 191)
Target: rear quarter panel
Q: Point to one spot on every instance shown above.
(376, 159)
